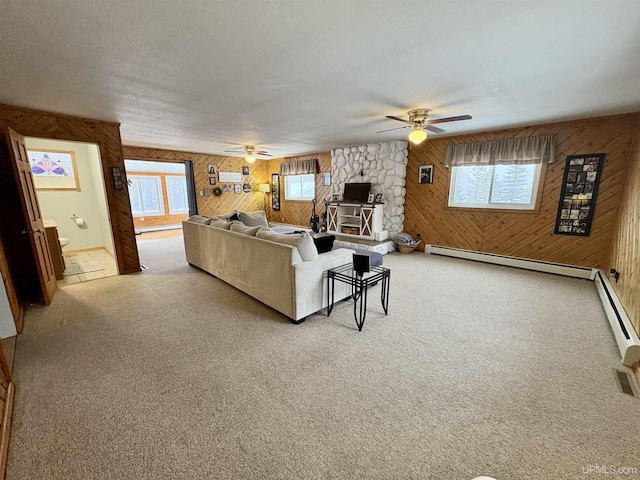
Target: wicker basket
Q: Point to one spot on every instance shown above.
(351, 230)
(406, 248)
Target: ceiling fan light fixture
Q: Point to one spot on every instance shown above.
(417, 136)
(250, 149)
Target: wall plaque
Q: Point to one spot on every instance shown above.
(230, 177)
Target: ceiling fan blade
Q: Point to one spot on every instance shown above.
(398, 119)
(264, 154)
(451, 119)
(433, 129)
(237, 150)
(388, 130)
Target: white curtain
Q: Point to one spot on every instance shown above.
(299, 167)
(519, 151)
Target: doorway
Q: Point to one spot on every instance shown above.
(69, 183)
(158, 192)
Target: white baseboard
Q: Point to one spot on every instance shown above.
(623, 332)
(158, 228)
(625, 335)
(537, 265)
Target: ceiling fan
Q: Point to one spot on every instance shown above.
(419, 120)
(250, 150)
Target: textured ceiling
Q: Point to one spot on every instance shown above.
(305, 76)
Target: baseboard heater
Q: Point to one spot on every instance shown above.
(623, 332)
(625, 335)
(537, 265)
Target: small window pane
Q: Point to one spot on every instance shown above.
(513, 184)
(472, 185)
(150, 195)
(134, 195)
(177, 191)
(308, 186)
(295, 188)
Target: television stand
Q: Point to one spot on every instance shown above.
(355, 219)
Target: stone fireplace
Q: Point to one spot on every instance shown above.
(382, 164)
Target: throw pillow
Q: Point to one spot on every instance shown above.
(234, 217)
(254, 219)
(227, 217)
(242, 228)
(221, 224)
(304, 243)
(324, 243)
(200, 219)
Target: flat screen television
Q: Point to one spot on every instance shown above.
(356, 192)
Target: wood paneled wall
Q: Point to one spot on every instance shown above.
(524, 235)
(625, 241)
(107, 136)
(159, 220)
(299, 212)
(212, 205)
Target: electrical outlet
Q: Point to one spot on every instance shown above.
(615, 274)
(141, 219)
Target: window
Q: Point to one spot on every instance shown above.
(300, 187)
(146, 196)
(177, 194)
(495, 186)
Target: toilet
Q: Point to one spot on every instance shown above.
(63, 241)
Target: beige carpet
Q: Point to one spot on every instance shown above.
(173, 374)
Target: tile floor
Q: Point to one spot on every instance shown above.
(108, 262)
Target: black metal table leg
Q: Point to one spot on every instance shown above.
(330, 293)
(360, 314)
(384, 292)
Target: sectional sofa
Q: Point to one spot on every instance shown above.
(282, 271)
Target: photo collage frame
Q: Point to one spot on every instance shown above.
(579, 190)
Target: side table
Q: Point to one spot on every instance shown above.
(359, 287)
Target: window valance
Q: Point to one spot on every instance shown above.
(519, 151)
(299, 167)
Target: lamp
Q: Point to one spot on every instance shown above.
(418, 135)
(250, 149)
(264, 188)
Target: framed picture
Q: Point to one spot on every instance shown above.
(212, 170)
(54, 169)
(246, 187)
(237, 188)
(425, 174)
(245, 170)
(212, 180)
(378, 198)
(326, 179)
(226, 187)
(578, 197)
(275, 191)
(371, 198)
(230, 177)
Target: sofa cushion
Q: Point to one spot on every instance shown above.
(199, 219)
(221, 224)
(303, 242)
(324, 242)
(254, 219)
(242, 228)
